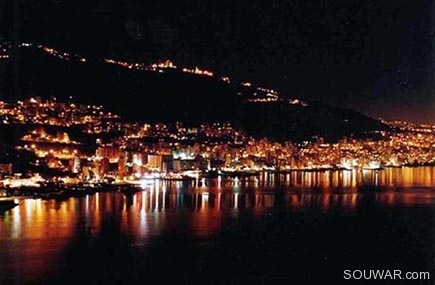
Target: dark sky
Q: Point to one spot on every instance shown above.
(375, 56)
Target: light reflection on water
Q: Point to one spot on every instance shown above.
(145, 212)
(150, 211)
(35, 235)
(328, 179)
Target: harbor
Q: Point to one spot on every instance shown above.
(325, 180)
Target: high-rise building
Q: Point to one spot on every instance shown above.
(75, 164)
(155, 161)
(104, 166)
(122, 164)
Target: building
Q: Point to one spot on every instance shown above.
(122, 164)
(75, 164)
(155, 162)
(6, 168)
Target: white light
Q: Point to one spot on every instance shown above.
(145, 183)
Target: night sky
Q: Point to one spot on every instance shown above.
(375, 56)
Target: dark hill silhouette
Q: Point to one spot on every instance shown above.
(175, 96)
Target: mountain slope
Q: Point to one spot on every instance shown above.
(177, 96)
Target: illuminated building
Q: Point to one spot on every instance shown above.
(155, 162)
(6, 168)
(75, 164)
(122, 164)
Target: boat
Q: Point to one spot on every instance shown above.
(79, 190)
(7, 204)
(129, 189)
(240, 173)
(58, 195)
(373, 166)
(177, 178)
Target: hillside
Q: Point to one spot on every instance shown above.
(173, 95)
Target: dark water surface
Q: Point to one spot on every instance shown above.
(224, 233)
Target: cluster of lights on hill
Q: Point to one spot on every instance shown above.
(56, 53)
(3, 52)
(259, 95)
(162, 67)
(231, 148)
